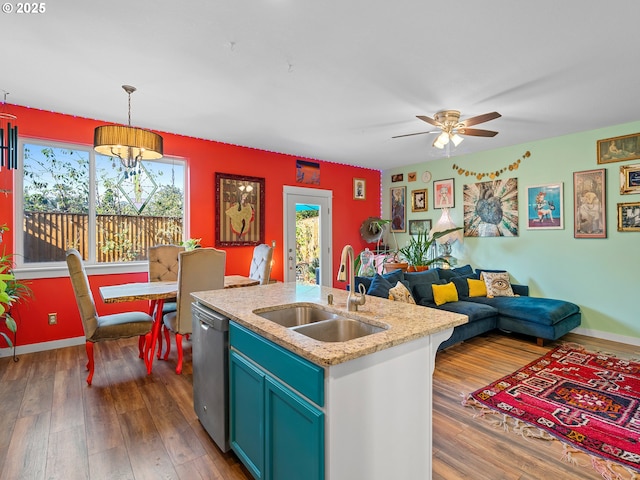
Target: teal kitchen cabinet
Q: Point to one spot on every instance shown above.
(276, 418)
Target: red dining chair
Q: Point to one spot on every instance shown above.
(105, 327)
(200, 269)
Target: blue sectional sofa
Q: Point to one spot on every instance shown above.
(543, 318)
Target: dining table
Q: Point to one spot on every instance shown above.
(156, 293)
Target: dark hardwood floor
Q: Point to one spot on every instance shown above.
(130, 425)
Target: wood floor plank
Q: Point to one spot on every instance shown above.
(67, 409)
(101, 420)
(27, 453)
(67, 455)
(111, 464)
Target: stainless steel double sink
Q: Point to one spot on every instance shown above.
(315, 322)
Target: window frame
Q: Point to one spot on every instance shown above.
(59, 269)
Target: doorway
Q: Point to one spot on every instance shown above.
(307, 236)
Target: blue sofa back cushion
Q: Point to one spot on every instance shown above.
(449, 273)
(427, 276)
(392, 277)
(462, 285)
(380, 285)
(423, 293)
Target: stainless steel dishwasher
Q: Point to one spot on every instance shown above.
(210, 353)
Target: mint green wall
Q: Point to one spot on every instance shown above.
(600, 275)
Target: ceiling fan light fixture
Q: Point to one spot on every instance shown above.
(456, 139)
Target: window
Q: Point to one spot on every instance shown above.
(75, 198)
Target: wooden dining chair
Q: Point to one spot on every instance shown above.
(261, 263)
(200, 269)
(105, 327)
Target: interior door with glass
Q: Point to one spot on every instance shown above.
(307, 236)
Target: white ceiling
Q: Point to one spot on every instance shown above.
(330, 79)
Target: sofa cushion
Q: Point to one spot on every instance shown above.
(422, 292)
(449, 273)
(392, 277)
(477, 288)
(444, 293)
(400, 293)
(498, 284)
(461, 284)
(475, 311)
(379, 287)
(424, 277)
(545, 311)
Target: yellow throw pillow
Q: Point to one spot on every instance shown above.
(444, 293)
(477, 288)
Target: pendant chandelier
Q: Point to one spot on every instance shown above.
(8, 138)
(130, 144)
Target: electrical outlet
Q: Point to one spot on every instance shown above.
(273, 243)
(53, 318)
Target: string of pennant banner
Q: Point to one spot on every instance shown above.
(494, 174)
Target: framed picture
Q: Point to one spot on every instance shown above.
(589, 204)
(412, 176)
(307, 172)
(359, 189)
(629, 179)
(544, 207)
(398, 177)
(419, 226)
(419, 200)
(619, 149)
(629, 217)
(239, 210)
(443, 196)
(491, 208)
(398, 209)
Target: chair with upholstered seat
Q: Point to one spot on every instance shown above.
(163, 267)
(261, 263)
(200, 269)
(105, 327)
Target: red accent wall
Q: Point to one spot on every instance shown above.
(203, 158)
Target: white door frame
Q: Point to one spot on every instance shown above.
(313, 196)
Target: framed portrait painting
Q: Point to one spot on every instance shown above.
(359, 189)
(398, 209)
(239, 210)
(443, 196)
(419, 200)
(629, 217)
(619, 149)
(629, 179)
(589, 204)
(544, 207)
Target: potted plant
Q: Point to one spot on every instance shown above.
(372, 230)
(417, 250)
(11, 291)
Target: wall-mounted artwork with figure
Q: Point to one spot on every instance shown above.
(589, 203)
(398, 209)
(491, 208)
(239, 210)
(544, 205)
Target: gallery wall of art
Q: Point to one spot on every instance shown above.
(570, 249)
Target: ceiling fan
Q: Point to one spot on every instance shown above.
(451, 128)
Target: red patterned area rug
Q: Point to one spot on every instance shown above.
(589, 401)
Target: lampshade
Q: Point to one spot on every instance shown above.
(445, 223)
(129, 144)
(456, 139)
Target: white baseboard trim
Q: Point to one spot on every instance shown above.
(614, 337)
(41, 347)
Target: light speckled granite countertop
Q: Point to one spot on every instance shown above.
(406, 322)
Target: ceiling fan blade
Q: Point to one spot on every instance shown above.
(430, 120)
(480, 119)
(476, 132)
(411, 134)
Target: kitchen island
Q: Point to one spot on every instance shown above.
(374, 402)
